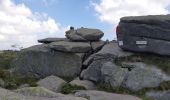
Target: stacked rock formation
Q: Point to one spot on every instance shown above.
(82, 54)
(59, 56)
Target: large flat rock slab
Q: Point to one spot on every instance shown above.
(49, 40)
(153, 26)
(75, 47)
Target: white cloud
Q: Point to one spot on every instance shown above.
(110, 11)
(19, 25)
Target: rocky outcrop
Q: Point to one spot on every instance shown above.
(159, 95)
(59, 56)
(99, 95)
(40, 61)
(52, 83)
(84, 34)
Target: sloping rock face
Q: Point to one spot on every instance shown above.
(99, 95)
(84, 34)
(40, 61)
(145, 34)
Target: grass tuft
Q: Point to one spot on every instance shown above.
(68, 88)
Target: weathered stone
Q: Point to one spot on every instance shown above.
(159, 95)
(40, 62)
(52, 83)
(99, 95)
(75, 47)
(49, 40)
(152, 26)
(85, 83)
(97, 45)
(2, 83)
(156, 46)
(144, 76)
(113, 74)
(145, 34)
(113, 50)
(84, 34)
(108, 53)
(8, 95)
(37, 91)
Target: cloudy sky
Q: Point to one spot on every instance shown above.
(22, 22)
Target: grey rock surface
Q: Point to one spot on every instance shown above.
(159, 95)
(109, 52)
(50, 40)
(85, 83)
(40, 61)
(152, 26)
(144, 76)
(52, 83)
(84, 34)
(160, 47)
(99, 95)
(2, 83)
(97, 45)
(113, 74)
(8, 95)
(37, 91)
(75, 47)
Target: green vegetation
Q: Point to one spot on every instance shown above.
(11, 82)
(6, 58)
(67, 88)
(163, 62)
